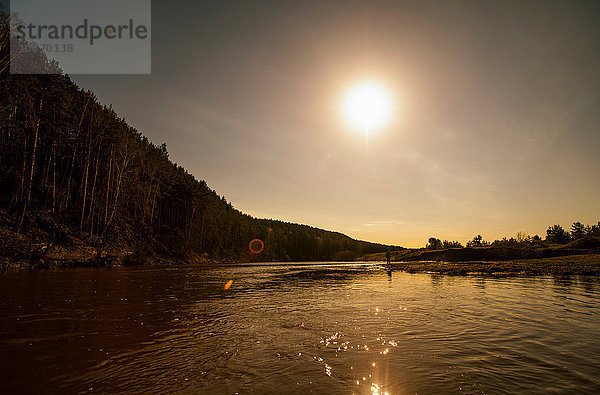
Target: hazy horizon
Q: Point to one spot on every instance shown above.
(493, 130)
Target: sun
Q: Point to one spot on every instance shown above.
(367, 106)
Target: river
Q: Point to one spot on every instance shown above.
(296, 328)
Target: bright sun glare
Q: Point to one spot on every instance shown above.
(367, 106)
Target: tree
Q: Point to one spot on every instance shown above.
(434, 244)
(477, 242)
(577, 230)
(523, 237)
(452, 244)
(595, 230)
(557, 234)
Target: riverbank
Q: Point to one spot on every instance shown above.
(588, 264)
(539, 250)
(46, 244)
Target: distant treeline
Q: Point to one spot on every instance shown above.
(554, 234)
(69, 162)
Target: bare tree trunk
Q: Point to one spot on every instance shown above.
(202, 232)
(35, 138)
(84, 192)
(91, 214)
(189, 232)
(68, 189)
(121, 172)
(53, 175)
(153, 203)
(45, 175)
(14, 200)
(21, 189)
(107, 191)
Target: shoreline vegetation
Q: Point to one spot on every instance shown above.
(36, 248)
(46, 244)
(527, 256)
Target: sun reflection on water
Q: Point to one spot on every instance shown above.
(368, 376)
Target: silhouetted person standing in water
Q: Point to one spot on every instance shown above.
(388, 256)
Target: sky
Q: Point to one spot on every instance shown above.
(495, 124)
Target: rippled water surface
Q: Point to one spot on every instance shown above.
(296, 328)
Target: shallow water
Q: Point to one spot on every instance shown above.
(296, 329)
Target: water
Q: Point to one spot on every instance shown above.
(296, 329)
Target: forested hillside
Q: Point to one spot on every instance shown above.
(70, 165)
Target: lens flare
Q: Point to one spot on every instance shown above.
(256, 246)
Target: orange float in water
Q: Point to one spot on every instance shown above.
(228, 284)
